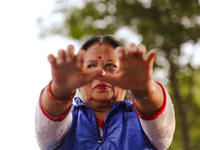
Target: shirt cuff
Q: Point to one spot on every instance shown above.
(49, 116)
(159, 111)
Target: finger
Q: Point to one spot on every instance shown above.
(150, 57)
(132, 50)
(120, 52)
(141, 51)
(80, 58)
(61, 57)
(69, 54)
(111, 78)
(92, 74)
(51, 59)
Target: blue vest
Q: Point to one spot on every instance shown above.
(121, 130)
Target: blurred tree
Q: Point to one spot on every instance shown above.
(165, 25)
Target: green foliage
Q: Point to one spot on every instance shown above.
(164, 25)
(190, 94)
(128, 95)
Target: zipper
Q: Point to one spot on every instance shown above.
(99, 136)
(97, 123)
(98, 132)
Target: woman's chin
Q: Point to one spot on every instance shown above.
(101, 100)
(102, 97)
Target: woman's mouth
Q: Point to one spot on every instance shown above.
(102, 86)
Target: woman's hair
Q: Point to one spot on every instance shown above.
(101, 39)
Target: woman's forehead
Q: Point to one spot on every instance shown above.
(105, 52)
(108, 60)
(102, 49)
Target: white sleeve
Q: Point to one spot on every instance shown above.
(161, 129)
(50, 131)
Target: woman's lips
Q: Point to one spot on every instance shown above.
(102, 86)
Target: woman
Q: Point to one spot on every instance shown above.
(102, 71)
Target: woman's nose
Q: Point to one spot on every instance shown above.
(102, 68)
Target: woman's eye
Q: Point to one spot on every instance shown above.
(111, 66)
(90, 66)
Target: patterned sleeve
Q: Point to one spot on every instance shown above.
(160, 127)
(49, 130)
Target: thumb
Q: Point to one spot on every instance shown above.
(150, 57)
(110, 78)
(92, 74)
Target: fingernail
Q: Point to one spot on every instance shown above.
(69, 59)
(70, 46)
(119, 54)
(103, 72)
(140, 48)
(132, 45)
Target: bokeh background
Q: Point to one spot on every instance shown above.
(30, 30)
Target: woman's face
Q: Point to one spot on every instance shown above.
(97, 93)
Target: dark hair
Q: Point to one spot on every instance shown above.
(101, 39)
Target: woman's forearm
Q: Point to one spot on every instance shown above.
(54, 108)
(150, 104)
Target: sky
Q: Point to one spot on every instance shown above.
(24, 69)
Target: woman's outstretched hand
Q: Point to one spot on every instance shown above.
(135, 68)
(134, 73)
(68, 72)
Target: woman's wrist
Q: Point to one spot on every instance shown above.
(59, 95)
(144, 93)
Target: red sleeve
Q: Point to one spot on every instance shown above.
(47, 115)
(159, 111)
